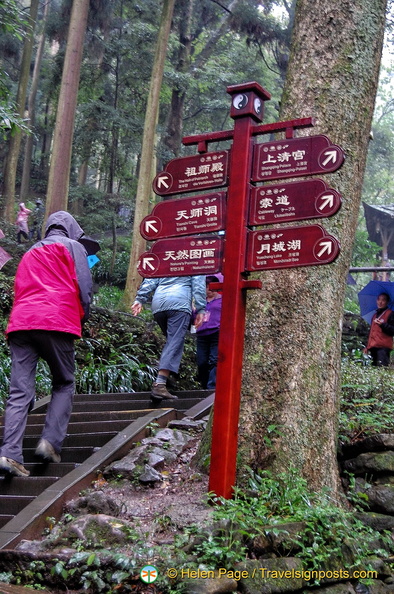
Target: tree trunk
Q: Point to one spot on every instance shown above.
(144, 188)
(15, 140)
(173, 137)
(291, 382)
(25, 183)
(59, 172)
(46, 142)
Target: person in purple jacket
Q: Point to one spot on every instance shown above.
(208, 337)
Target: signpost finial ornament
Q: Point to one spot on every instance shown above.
(248, 99)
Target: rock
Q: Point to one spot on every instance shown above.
(150, 475)
(187, 424)
(170, 439)
(168, 455)
(271, 576)
(277, 537)
(380, 498)
(11, 589)
(371, 462)
(342, 588)
(373, 443)
(193, 513)
(384, 479)
(127, 465)
(97, 530)
(94, 503)
(156, 461)
(200, 581)
(175, 439)
(379, 587)
(379, 522)
(30, 546)
(378, 565)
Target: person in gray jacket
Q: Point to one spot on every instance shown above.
(172, 309)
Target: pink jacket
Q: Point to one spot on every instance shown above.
(53, 284)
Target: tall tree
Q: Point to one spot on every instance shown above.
(12, 23)
(174, 127)
(31, 109)
(144, 189)
(202, 27)
(59, 172)
(290, 393)
(15, 140)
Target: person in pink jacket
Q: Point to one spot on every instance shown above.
(53, 288)
(21, 222)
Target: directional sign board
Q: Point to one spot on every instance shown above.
(191, 174)
(185, 216)
(290, 247)
(293, 201)
(295, 157)
(184, 256)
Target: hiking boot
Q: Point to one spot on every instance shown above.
(13, 467)
(160, 392)
(46, 451)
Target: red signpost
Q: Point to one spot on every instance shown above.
(199, 214)
(186, 256)
(295, 157)
(290, 247)
(241, 250)
(192, 174)
(292, 201)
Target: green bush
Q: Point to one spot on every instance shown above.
(367, 402)
(329, 532)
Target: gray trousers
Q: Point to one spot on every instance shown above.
(57, 349)
(174, 325)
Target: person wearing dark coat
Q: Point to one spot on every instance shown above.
(380, 339)
(53, 289)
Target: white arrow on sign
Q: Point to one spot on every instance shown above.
(326, 247)
(149, 226)
(162, 181)
(327, 199)
(331, 156)
(146, 263)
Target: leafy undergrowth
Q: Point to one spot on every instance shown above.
(329, 537)
(367, 404)
(117, 353)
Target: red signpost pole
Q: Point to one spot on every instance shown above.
(243, 248)
(247, 108)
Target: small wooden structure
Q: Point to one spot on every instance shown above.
(380, 227)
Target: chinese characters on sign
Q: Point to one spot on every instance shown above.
(185, 216)
(182, 257)
(295, 157)
(292, 201)
(269, 204)
(191, 174)
(289, 247)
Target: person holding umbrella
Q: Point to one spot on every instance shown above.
(380, 339)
